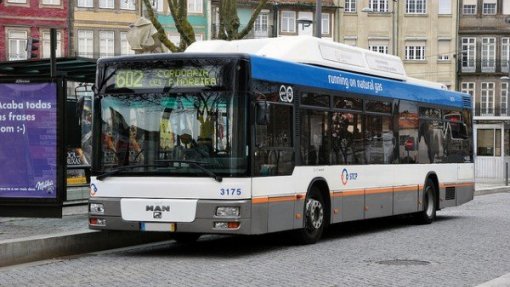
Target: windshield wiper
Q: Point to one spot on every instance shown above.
(196, 164)
(117, 170)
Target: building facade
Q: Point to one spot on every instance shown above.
(24, 19)
(284, 18)
(99, 27)
(199, 12)
(423, 33)
(484, 48)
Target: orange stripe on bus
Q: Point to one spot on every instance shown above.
(453, 184)
(357, 192)
(378, 190)
(405, 188)
(258, 200)
(282, 198)
(353, 192)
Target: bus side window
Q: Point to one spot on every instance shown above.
(408, 139)
(315, 145)
(274, 154)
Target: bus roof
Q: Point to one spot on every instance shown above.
(342, 59)
(311, 50)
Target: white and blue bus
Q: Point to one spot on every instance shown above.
(260, 136)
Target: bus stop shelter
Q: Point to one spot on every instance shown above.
(66, 82)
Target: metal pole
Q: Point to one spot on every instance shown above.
(506, 173)
(318, 18)
(394, 47)
(53, 50)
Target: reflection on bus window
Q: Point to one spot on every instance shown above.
(346, 138)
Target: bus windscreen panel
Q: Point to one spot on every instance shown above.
(28, 140)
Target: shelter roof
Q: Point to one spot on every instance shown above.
(71, 68)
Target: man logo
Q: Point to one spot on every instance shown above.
(157, 210)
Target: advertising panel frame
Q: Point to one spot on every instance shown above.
(43, 207)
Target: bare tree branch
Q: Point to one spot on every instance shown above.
(161, 32)
(254, 16)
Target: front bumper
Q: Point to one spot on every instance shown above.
(204, 221)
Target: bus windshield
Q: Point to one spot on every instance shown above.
(159, 133)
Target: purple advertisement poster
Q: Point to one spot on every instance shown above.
(28, 140)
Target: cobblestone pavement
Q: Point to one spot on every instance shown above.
(466, 246)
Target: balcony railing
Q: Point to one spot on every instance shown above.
(497, 111)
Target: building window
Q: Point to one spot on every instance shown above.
(489, 7)
(86, 43)
(195, 6)
(445, 7)
(415, 52)
(50, 2)
(487, 99)
(469, 88)
(504, 99)
(416, 6)
(106, 43)
(469, 9)
(468, 54)
(488, 54)
(288, 22)
(379, 48)
(505, 54)
(17, 44)
(488, 142)
(125, 48)
(378, 5)
(443, 48)
(261, 26)
(17, 1)
(127, 4)
(106, 4)
(46, 45)
(325, 24)
(350, 6)
(85, 3)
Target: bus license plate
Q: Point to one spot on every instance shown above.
(153, 226)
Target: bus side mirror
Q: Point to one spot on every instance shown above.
(262, 113)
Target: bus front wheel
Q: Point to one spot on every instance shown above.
(314, 218)
(428, 214)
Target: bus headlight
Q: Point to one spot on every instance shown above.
(227, 211)
(96, 208)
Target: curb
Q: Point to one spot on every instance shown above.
(486, 191)
(25, 250)
(498, 282)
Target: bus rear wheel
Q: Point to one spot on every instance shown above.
(428, 214)
(314, 218)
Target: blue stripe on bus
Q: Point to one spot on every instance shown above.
(319, 77)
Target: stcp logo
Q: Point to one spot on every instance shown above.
(345, 177)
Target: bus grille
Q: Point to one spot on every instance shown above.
(450, 193)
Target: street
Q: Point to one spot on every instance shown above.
(466, 246)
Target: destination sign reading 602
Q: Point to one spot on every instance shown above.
(163, 78)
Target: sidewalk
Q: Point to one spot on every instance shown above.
(31, 239)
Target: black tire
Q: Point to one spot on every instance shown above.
(186, 238)
(314, 217)
(428, 214)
